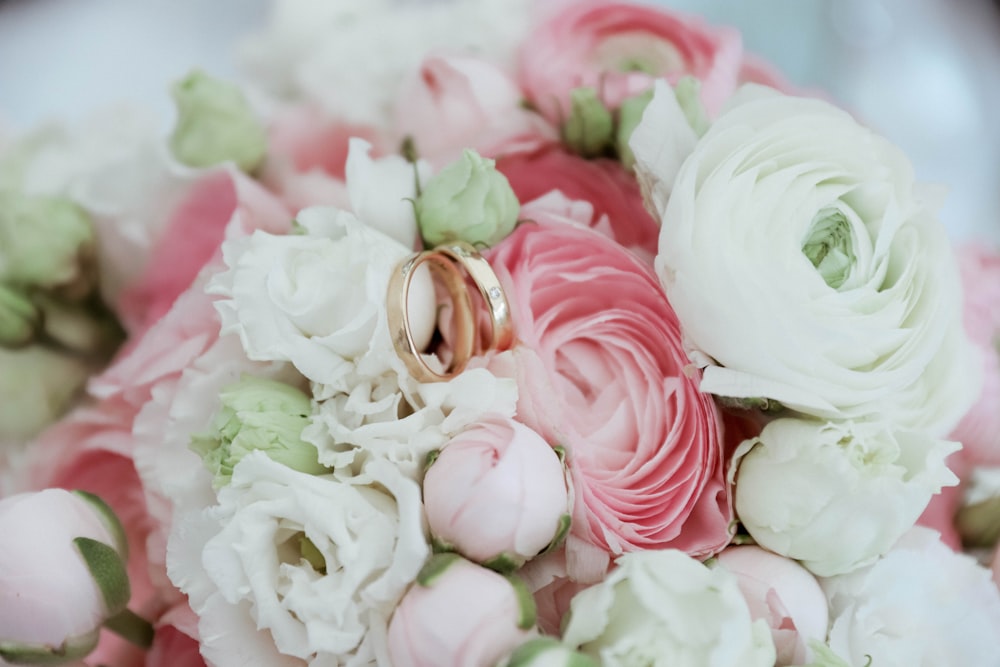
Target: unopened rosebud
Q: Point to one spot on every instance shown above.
(548, 652)
(589, 129)
(487, 616)
(497, 494)
(469, 200)
(47, 243)
(20, 319)
(629, 114)
(62, 575)
(258, 414)
(215, 124)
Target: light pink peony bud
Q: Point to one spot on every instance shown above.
(51, 605)
(785, 595)
(497, 494)
(459, 614)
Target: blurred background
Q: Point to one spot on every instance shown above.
(926, 73)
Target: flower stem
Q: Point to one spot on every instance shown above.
(131, 628)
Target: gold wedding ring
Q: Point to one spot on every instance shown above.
(446, 263)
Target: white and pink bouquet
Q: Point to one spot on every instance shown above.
(492, 332)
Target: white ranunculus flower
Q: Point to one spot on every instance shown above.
(382, 191)
(921, 605)
(318, 563)
(318, 299)
(835, 495)
(804, 261)
(663, 608)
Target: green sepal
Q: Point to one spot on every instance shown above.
(441, 546)
(109, 519)
(504, 563)
(565, 523)
(70, 650)
(435, 566)
(431, 457)
(132, 628)
(629, 115)
(561, 453)
(589, 129)
(108, 570)
(527, 611)
(528, 652)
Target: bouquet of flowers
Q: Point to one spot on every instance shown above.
(492, 332)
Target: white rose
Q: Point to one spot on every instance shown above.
(318, 299)
(317, 563)
(921, 605)
(382, 191)
(660, 608)
(801, 258)
(835, 495)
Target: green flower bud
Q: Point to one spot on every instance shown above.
(46, 242)
(829, 246)
(590, 128)
(469, 200)
(688, 94)
(258, 414)
(215, 124)
(20, 320)
(548, 652)
(37, 385)
(629, 115)
(979, 523)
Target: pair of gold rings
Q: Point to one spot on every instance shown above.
(450, 263)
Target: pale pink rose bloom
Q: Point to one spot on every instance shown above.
(222, 202)
(467, 617)
(979, 430)
(47, 594)
(618, 209)
(456, 102)
(601, 371)
(785, 595)
(496, 488)
(620, 49)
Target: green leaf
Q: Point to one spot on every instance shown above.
(108, 570)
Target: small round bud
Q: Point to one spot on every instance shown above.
(589, 129)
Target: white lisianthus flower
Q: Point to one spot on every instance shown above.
(803, 260)
(921, 605)
(318, 299)
(318, 563)
(660, 608)
(835, 496)
(383, 191)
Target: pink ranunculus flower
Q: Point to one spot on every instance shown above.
(785, 595)
(618, 210)
(48, 597)
(465, 616)
(496, 489)
(458, 102)
(601, 370)
(979, 430)
(619, 49)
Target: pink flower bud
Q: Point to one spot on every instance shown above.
(497, 491)
(785, 595)
(459, 614)
(49, 599)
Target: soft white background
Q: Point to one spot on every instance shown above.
(924, 72)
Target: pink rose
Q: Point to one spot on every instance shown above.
(465, 616)
(979, 430)
(620, 49)
(785, 595)
(601, 370)
(618, 210)
(459, 102)
(496, 489)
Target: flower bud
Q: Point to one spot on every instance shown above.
(589, 130)
(258, 414)
(62, 575)
(215, 124)
(459, 613)
(629, 115)
(37, 385)
(469, 200)
(46, 242)
(497, 494)
(548, 652)
(20, 320)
